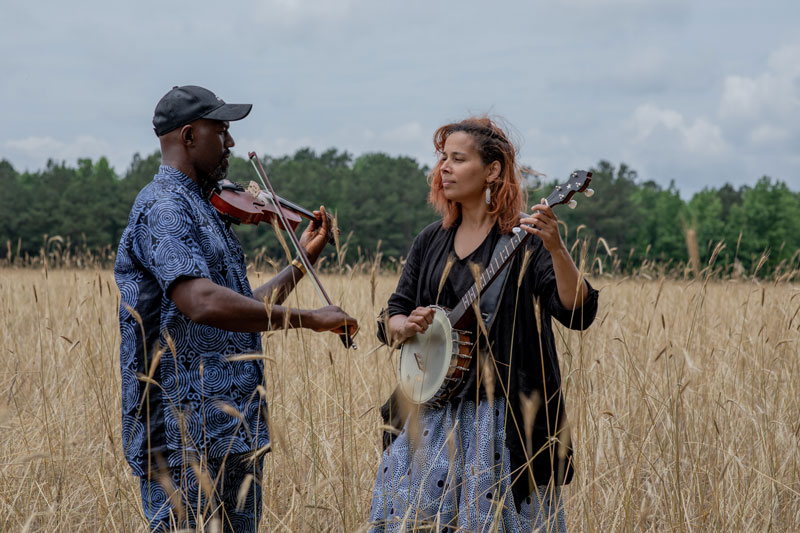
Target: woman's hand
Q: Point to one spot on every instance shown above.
(571, 291)
(402, 327)
(545, 226)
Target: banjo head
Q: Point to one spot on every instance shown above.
(425, 360)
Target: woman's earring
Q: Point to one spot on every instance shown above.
(488, 196)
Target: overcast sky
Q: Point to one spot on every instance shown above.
(700, 92)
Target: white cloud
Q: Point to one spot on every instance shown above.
(538, 141)
(766, 134)
(409, 132)
(699, 137)
(755, 130)
(772, 94)
(648, 116)
(272, 146)
(703, 137)
(538, 149)
(762, 112)
(357, 75)
(743, 97)
(294, 12)
(786, 61)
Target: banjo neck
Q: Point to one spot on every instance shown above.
(460, 315)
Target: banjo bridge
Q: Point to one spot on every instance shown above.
(420, 361)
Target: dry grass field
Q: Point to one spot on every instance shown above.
(684, 399)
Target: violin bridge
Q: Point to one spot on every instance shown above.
(253, 189)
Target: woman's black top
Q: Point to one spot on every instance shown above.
(524, 353)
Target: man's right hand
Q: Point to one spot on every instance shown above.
(331, 318)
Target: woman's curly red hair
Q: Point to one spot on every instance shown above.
(492, 144)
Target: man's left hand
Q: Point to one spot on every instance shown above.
(316, 235)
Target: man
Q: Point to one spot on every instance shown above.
(191, 413)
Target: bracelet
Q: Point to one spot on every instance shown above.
(299, 265)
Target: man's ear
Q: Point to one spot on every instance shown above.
(187, 134)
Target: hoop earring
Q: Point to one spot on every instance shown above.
(488, 196)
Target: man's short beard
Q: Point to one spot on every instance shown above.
(207, 182)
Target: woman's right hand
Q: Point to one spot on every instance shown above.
(402, 327)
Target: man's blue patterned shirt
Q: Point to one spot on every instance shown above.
(174, 232)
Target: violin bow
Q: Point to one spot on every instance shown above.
(346, 338)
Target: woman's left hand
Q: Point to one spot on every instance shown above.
(546, 226)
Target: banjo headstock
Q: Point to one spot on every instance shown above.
(562, 194)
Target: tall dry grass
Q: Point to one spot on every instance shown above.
(684, 401)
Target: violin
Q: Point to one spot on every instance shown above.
(238, 205)
(253, 206)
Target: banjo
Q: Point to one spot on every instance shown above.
(433, 364)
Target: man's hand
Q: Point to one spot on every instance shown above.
(316, 235)
(331, 318)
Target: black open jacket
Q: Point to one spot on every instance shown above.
(524, 352)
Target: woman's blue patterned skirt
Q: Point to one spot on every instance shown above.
(448, 470)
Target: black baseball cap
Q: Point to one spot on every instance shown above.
(185, 104)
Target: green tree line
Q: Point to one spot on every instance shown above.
(380, 202)
(754, 226)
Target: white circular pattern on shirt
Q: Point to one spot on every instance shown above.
(123, 262)
(128, 289)
(156, 495)
(175, 259)
(177, 332)
(222, 446)
(257, 427)
(187, 434)
(127, 352)
(216, 376)
(246, 375)
(175, 380)
(132, 433)
(218, 421)
(167, 221)
(141, 235)
(130, 390)
(207, 339)
(211, 246)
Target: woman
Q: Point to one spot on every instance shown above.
(495, 454)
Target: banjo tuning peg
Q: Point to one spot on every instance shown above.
(572, 204)
(589, 193)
